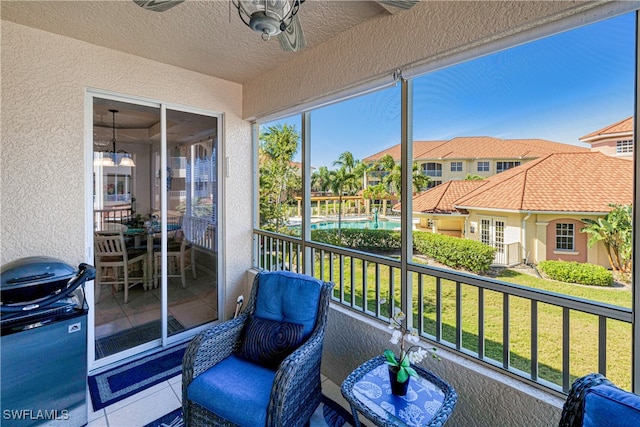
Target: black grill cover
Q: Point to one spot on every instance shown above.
(32, 278)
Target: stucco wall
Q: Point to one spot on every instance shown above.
(485, 398)
(44, 79)
(426, 33)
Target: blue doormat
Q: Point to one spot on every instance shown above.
(119, 383)
(328, 414)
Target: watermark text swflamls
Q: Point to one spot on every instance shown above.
(36, 415)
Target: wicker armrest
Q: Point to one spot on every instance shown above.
(297, 380)
(211, 346)
(572, 411)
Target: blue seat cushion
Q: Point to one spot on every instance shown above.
(289, 297)
(606, 406)
(269, 342)
(236, 390)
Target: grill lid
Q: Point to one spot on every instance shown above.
(30, 278)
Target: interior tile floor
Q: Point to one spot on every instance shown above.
(191, 306)
(154, 402)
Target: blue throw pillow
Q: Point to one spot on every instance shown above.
(289, 297)
(269, 342)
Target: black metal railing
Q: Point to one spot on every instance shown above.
(454, 309)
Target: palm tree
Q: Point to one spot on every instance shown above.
(615, 231)
(472, 177)
(386, 163)
(346, 160)
(419, 180)
(374, 192)
(278, 176)
(342, 181)
(321, 180)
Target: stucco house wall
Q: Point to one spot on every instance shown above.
(44, 171)
(609, 147)
(579, 252)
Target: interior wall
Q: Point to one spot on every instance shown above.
(427, 33)
(44, 80)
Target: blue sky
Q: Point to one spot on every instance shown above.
(558, 88)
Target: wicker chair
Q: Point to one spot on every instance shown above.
(288, 395)
(594, 400)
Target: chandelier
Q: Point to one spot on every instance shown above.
(109, 158)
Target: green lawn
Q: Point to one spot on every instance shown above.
(583, 336)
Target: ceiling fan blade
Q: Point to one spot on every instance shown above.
(292, 39)
(393, 6)
(157, 5)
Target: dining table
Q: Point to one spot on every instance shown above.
(145, 238)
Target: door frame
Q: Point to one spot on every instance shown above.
(500, 257)
(164, 341)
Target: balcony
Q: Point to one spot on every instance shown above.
(452, 311)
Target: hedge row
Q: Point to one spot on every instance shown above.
(363, 239)
(451, 251)
(577, 272)
(454, 252)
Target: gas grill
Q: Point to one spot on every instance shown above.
(43, 323)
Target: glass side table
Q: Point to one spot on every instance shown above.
(429, 400)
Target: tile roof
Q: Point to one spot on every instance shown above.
(623, 126)
(418, 147)
(440, 199)
(480, 147)
(561, 182)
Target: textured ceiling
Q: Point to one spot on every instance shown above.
(199, 35)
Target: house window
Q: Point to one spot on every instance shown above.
(624, 147)
(456, 166)
(564, 237)
(433, 183)
(503, 166)
(432, 169)
(483, 166)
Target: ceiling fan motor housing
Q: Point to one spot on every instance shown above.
(264, 24)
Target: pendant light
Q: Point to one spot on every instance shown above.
(110, 157)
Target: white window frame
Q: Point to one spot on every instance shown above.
(624, 146)
(567, 232)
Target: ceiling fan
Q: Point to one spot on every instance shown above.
(272, 17)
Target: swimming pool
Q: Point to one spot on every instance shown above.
(382, 224)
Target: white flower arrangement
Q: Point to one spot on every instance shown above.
(414, 354)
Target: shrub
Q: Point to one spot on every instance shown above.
(577, 272)
(455, 252)
(376, 240)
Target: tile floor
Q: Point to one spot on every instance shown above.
(156, 401)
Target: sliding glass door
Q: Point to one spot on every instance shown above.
(155, 204)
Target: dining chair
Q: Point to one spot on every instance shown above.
(175, 259)
(191, 234)
(111, 253)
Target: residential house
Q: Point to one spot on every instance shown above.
(60, 60)
(533, 212)
(483, 156)
(613, 140)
